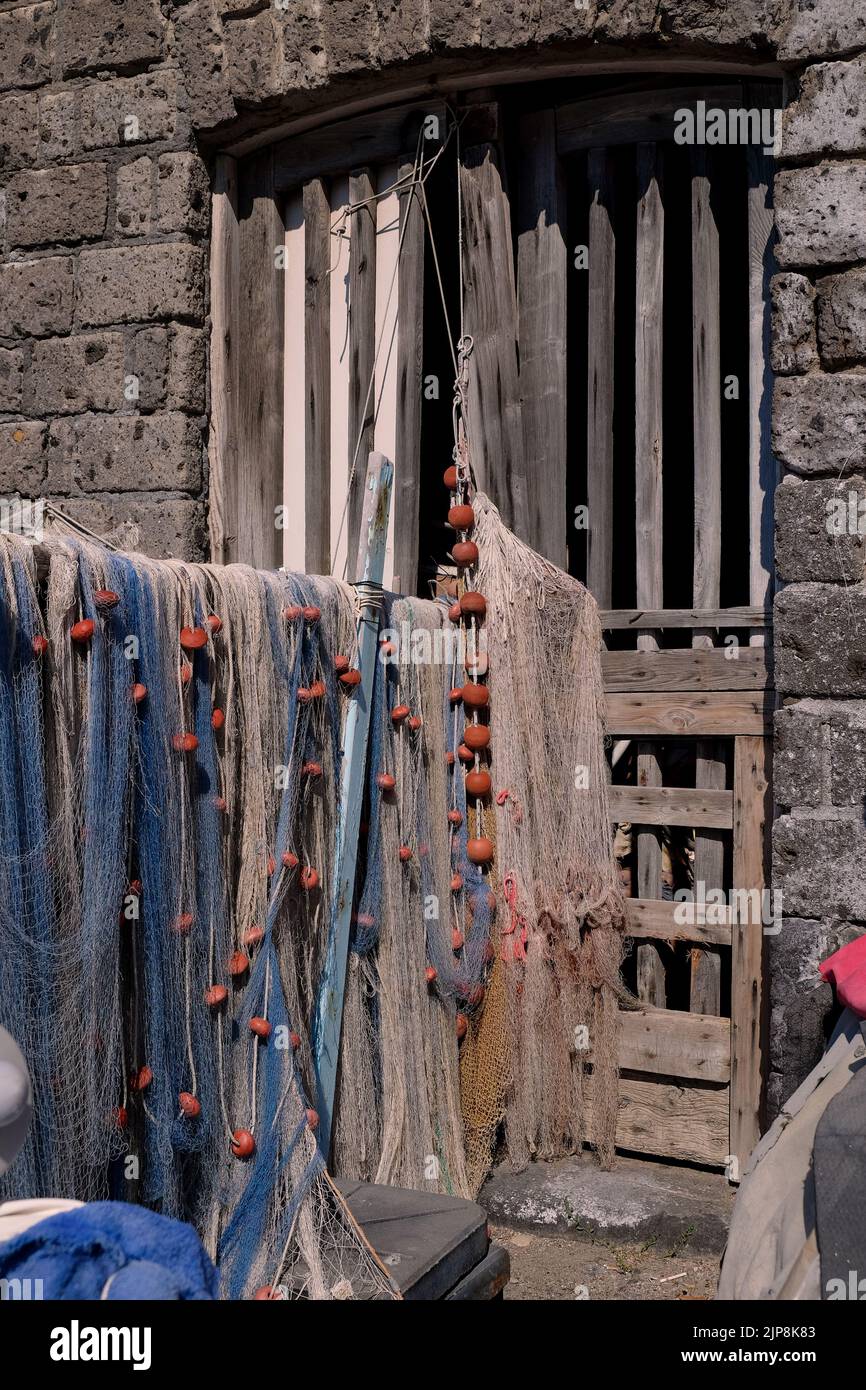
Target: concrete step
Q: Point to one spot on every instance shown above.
(639, 1201)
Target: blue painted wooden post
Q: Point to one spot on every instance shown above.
(329, 1006)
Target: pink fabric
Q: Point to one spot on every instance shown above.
(846, 969)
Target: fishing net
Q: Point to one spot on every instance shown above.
(167, 736)
(562, 916)
(170, 766)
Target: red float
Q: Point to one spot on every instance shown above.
(217, 994)
(185, 743)
(414, 721)
(189, 1104)
(464, 553)
(39, 644)
(477, 737)
(478, 783)
(295, 1040)
(341, 664)
(183, 924)
(476, 695)
(456, 939)
(449, 477)
(465, 755)
(455, 818)
(292, 613)
(385, 782)
(82, 631)
(243, 1143)
(461, 1026)
(238, 963)
(260, 1027)
(480, 850)
(456, 883)
(399, 713)
(214, 623)
(455, 694)
(105, 599)
(311, 770)
(193, 638)
(309, 878)
(454, 612)
(312, 614)
(461, 518)
(430, 975)
(139, 693)
(473, 605)
(217, 719)
(290, 860)
(141, 1079)
(350, 679)
(313, 1118)
(253, 935)
(405, 854)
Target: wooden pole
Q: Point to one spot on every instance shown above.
(329, 1006)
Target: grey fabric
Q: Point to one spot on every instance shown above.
(839, 1168)
(772, 1250)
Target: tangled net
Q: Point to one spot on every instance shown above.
(170, 762)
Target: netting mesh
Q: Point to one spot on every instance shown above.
(170, 760)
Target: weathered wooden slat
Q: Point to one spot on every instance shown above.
(600, 374)
(224, 311)
(542, 299)
(672, 806)
(362, 344)
(317, 376)
(613, 619)
(649, 275)
(748, 1000)
(763, 469)
(707, 431)
(707, 669)
(705, 984)
(686, 1122)
(258, 480)
(656, 918)
(629, 118)
(410, 371)
(382, 136)
(495, 428)
(672, 1043)
(685, 712)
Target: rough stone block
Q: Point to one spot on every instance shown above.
(822, 29)
(134, 284)
(97, 34)
(398, 35)
(26, 46)
(11, 379)
(829, 116)
(129, 110)
(346, 37)
(819, 422)
(847, 739)
(69, 375)
(820, 214)
(36, 297)
(818, 867)
(150, 366)
(22, 456)
(182, 194)
(134, 210)
(842, 318)
(820, 640)
(792, 347)
(18, 133)
(187, 375)
(801, 1004)
(254, 57)
(59, 126)
(162, 527)
(116, 453)
(798, 761)
(68, 203)
(198, 43)
(821, 529)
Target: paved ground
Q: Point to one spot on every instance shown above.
(646, 1230)
(547, 1266)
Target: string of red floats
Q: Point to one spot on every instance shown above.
(192, 639)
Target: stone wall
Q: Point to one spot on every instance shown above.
(819, 434)
(109, 110)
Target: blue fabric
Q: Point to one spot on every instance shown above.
(142, 1254)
